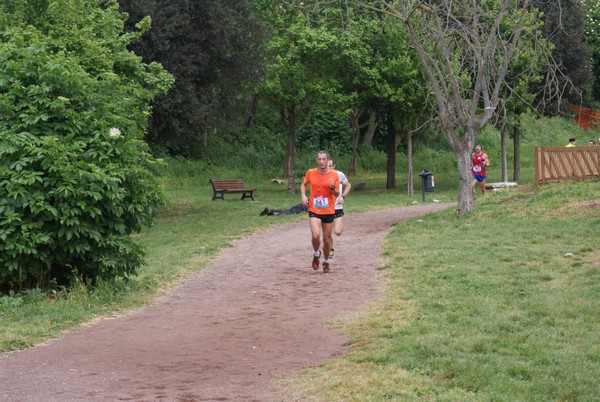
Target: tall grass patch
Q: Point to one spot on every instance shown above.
(501, 305)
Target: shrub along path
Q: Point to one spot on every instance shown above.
(258, 312)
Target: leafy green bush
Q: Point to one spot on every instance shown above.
(372, 160)
(75, 173)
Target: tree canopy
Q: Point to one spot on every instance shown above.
(212, 47)
(563, 27)
(467, 50)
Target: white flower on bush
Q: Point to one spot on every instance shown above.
(114, 132)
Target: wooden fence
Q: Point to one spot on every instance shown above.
(562, 163)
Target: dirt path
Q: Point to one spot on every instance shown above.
(259, 311)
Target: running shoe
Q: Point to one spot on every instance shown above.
(315, 261)
(331, 254)
(325, 266)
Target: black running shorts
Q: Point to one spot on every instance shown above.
(324, 218)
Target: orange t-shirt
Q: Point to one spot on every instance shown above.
(321, 200)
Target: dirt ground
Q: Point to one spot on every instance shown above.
(258, 312)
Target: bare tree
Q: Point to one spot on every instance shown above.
(466, 49)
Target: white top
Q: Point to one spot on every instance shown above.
(343, 180)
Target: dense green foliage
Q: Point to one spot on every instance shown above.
(591, 28)
(212, 47)
(69, 78)
(339, 59)
(564, 23)
(323, 59)
(75, 173)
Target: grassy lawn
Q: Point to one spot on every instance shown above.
(190, 230)
(500, 305)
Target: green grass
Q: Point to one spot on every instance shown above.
(486, 307)
(490, 307)
(190, 230)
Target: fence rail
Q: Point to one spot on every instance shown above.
(562, 163)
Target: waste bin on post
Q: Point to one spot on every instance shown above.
(428, 182)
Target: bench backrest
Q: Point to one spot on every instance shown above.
(228, 184)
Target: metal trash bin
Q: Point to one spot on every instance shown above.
(427, 182)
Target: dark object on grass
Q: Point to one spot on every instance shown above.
(296, 209)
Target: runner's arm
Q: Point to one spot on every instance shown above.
(303, 196)
(347, 187)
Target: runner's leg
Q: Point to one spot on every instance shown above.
(327, 230)
(315, 231)
(338, 226)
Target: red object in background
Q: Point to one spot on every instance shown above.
(586, 117)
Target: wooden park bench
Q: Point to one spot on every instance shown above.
(222, 186)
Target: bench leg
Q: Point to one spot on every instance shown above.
(248, 195)
(218, 195)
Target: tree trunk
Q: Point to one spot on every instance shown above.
(371, 128)
(355, 126)
(291, 140)
(465, 197)
(517, 153)
(251, 111)
(503, 150)
(391, 152)
(409, 161)
(462, 149)
(205, 144)
(288, 118)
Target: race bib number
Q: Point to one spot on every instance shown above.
(320, 202)
(476, 169)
